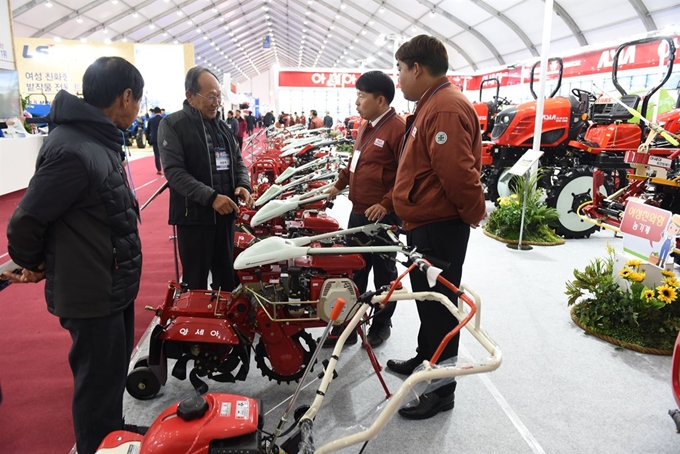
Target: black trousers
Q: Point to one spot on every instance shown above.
(240, 143)
(207, 249)
(99, 359)
(445, 240)
(384, 269)
(156, 156)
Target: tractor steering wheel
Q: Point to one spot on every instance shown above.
(577, 92)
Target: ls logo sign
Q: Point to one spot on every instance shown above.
(43, 50)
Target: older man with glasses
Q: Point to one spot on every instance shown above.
(207, 177)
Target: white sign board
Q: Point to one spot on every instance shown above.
(523, 165)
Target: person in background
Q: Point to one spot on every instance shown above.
(242, 126)
(370, 175)
(269, 119)
(232, 123)
(76, 227)
(250, 123)
(207, 177)
(162, 112)
(153, 137)
(314, 122)
(328, 120)
(296, 119)
(438, 195)
(302, 120)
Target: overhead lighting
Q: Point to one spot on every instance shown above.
(214, 10)
(308, 13)
(342, 6)
(165, 33)
(221, 19)
(152, 26)
(190, 22)
(175, 42)
(382, 10)
(350, 61)
(83, 40)
(432, 13)
(414, 28)
(356, 40)
(370, 59)
(337, 16)
(212, 43)
(363, 32)
(57, 39)
(107, 41)
(48, 4)
(105, 31)
(115, 2)
(305, 22)
(79, 20)
(370, 22)
(205, 38)
(179, 12)
(135, 15)
(332, 27)
(124, 40)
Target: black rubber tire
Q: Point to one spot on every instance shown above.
(142, 362)
(572, 188)
(142, 383)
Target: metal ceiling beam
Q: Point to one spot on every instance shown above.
(643, 14)
(513, 26)
(423, 26)
(571, 23)
(25, 7)
(467, 28)
(63, 20)
(368, 51)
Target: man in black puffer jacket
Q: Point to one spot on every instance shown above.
(206, 174)
(76, 226)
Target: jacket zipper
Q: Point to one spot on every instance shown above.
(115, 259)
(212, 183)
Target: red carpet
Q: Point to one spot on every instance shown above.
(35, 415)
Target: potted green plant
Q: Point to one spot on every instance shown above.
(505, 220)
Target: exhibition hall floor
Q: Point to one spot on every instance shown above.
(557, 391)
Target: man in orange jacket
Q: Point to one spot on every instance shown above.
(315, 122)
(438, 195)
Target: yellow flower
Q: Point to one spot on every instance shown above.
(648, 295)
(636, 277)
(634, 262)
(667, 294)
(499, 199)
(672, 281)
(668, 273)
(513, 196)
(625, 273)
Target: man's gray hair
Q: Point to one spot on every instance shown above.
(191, 80)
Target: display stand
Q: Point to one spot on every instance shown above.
(523, 168)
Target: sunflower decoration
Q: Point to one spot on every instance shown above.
(666, 293)
(625, 273)
(648, 295)
(672, 281)
(636, 276)
(634, 263)
(668, 273)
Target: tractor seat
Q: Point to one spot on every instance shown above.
(612, 112)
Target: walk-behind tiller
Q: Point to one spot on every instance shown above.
(230, 424)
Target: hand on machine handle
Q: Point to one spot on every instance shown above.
(375, 212)
(332, 192)
(244, 195)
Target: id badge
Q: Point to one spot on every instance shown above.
(355, 159)
(222, 159)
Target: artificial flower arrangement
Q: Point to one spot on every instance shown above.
(505, 220)
(633, 312)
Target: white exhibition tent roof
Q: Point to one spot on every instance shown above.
(228, 35)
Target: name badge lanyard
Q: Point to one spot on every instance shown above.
(408, 130)
(375, 131)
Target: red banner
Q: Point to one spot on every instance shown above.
(320, 79)
(599, 61)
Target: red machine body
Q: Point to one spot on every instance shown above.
(216, 329)
(228, 422)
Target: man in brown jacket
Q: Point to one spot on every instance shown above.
(438, 195)
(370, 175)
(315, 122)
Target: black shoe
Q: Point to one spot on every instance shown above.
(335, 334)
(404, 367)
(141, 430)
(429, 405)
(378, 334)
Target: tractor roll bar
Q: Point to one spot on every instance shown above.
(484, 82)
(545, 74)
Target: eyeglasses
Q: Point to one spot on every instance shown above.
(213, 98)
